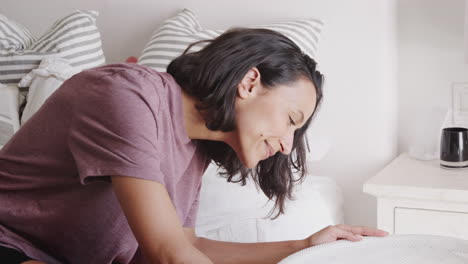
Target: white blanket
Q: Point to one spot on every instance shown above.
(43, 81)
(396, 249)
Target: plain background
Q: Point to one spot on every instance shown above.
(387, 62)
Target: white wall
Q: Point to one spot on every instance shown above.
(357, 54)
(431, 58)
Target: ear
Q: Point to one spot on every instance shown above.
(250, 84)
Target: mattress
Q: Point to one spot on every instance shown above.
(395, 249)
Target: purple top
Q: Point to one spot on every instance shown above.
(57, 203)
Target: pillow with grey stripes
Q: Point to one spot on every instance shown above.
(74, 37)
(9, 119)
(177, 33)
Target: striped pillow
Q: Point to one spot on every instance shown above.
(176, 33)
(9, 119)
(13, 36)
(74, 37)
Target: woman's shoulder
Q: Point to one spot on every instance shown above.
(123, 86)
(128, 76)
(127, 69)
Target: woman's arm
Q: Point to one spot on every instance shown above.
(154, 222)
(273, 252)
(244, 253)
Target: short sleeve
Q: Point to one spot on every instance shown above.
(113, 128)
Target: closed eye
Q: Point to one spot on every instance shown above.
(291, 121)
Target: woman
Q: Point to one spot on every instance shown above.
(109, 169)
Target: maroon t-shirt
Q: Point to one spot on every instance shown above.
(57, 203)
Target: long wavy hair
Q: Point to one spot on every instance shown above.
(211, 76)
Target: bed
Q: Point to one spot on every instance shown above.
(228, 212)
(397, 249)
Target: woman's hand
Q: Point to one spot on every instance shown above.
(337, 232)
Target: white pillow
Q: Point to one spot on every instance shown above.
(177, 33)
(235, 213)
(43, 81)
(9, 119)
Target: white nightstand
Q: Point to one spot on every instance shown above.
(420, 197)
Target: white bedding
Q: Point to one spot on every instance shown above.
(230, 212)
(43, 81)
(396, 249)
(9, 117)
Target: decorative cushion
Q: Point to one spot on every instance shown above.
(178, 32)
(74, 37)
(9, 120)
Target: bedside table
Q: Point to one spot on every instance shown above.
(420, 197)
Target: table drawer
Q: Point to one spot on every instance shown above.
(431, 222)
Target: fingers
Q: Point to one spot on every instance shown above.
(363, 230)
(342, 233)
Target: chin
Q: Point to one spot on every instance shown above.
(249, 163)
(249, 159)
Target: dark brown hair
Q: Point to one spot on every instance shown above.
(212, 74)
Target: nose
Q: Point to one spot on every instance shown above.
(286, 143)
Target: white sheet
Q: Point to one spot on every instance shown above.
(230, 212)
(396, 249)
(9, 117)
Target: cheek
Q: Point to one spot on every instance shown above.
(250, 127)
(258, 122)
(262, 120)
(255, 123)
(273, 123)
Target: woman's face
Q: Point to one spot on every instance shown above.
(266, 119)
